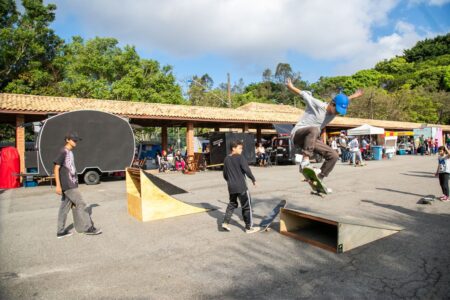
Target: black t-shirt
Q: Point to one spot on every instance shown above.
(67, 173)
(235, 167)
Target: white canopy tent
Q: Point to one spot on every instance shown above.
(365, 130)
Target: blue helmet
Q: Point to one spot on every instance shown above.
(341, 101)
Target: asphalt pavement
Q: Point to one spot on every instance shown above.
(188, 257)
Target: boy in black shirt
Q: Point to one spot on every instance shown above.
(66, 178)
(235, 167)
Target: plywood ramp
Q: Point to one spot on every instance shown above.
(149, 200)
(333, 233)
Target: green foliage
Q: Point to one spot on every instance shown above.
(100, 69)
(429, 48)
(28, 47)
(414, 87)
(33, 60)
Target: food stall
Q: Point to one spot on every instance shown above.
(368, 130)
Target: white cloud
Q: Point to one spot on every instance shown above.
(249, 31)
(404, 37)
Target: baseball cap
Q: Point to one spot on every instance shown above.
(73, 136)
(341, 101)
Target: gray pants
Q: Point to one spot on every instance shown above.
(82, 220)
(308, 140)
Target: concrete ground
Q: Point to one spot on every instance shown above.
(189, 258)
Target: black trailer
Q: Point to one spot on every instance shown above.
(220, 143)
(107, 144)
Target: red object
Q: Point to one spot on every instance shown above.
(9, 165)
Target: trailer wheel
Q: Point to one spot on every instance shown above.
(91, 177)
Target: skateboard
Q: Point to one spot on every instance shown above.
(317, 186)
(268, 220)
(427, 200)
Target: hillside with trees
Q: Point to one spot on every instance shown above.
(34, 60)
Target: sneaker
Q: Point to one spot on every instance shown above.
(304, 163)
(329, 191)
(64, 234)
(93, 231)
(226, 227)
(445, 199)
(253, 229)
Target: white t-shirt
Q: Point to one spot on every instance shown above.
(444, 164)
(354, 145)
(334, 145)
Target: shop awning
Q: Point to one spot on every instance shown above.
(365, 130)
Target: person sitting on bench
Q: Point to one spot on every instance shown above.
(261, 154)
(180, 164)
(163, 162)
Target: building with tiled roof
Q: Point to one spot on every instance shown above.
(17, 109)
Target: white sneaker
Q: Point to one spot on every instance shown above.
(305, 163)
(226, 227)
(317, 171)
(253, 229)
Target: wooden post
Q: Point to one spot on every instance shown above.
(258, 135)
(164, 137)
(190, 138)
(20, 141)
(245, 128)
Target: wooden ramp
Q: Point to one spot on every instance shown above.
(149, 197)
(336, 234)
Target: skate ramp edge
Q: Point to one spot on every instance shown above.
(147, 201)
(332, 233)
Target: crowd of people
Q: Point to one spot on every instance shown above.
(176, 162)
(425, 146)
(351, 149)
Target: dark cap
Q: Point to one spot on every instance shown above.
(73, 136)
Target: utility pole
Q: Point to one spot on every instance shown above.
(229, 90)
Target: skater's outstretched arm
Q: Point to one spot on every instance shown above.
(291, 87)
(446, 151)
(356, 94)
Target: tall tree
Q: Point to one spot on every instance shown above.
(28, 47)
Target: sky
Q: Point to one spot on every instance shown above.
(245, 37)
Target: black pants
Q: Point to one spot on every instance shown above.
(443, 181)
(307, 139)
(246, 205)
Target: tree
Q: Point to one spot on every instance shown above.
(282, 72)
(28, 47)
(428, 48)
(201, 93)
(34, 60)
(100, 69)
(267, 75)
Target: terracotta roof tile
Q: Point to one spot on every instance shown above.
(251, 112)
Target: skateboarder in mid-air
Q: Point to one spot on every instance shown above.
(66, 178)
(306, 132)
(235, 168)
